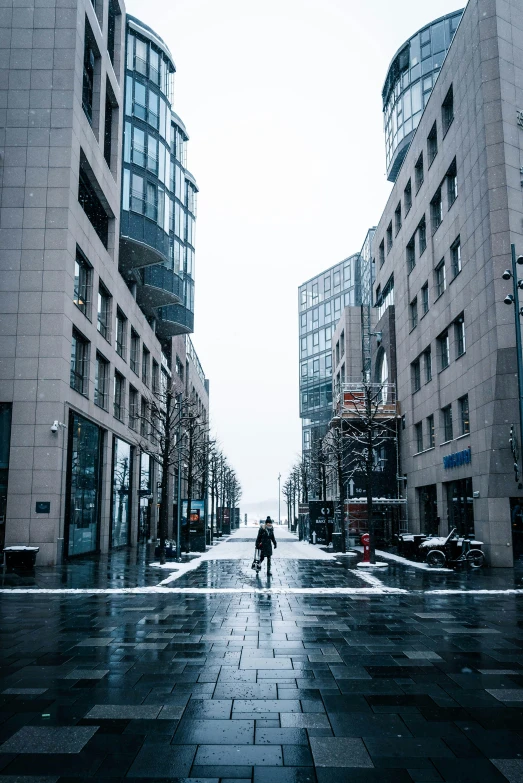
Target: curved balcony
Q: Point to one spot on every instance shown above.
(142, 242)
(158, 287)
(173, 320)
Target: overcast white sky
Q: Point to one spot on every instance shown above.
(282, 102)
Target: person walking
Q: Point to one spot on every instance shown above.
(264, 542)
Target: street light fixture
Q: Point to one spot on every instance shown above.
(513, 299)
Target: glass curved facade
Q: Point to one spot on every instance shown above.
(410, 78)
(157, 229)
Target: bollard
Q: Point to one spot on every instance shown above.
(365, 540)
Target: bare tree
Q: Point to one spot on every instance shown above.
(193, 444)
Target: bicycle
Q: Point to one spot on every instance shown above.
(446, 555)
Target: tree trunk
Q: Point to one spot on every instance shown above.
(166, 455)
(368, 477)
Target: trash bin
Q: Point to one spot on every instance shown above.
(20, 558)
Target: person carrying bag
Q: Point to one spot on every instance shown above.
(264, 543)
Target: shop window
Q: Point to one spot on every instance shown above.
(84, 482)
(121, 493)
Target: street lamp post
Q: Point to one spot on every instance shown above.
(513, 299)
(279, 514)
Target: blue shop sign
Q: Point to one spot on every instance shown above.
(458, 459)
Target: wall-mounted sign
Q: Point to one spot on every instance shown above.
(42, 507)
(458, 459)
(519, 117)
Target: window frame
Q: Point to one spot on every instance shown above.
(416, 375)
(103, 327)
(464, 415)
(101, 389)
(440, 279)
(444, 350)
(82, 291)
(120, 344)
(455, 253)
(425, 299)
(447, 424)
(79, 379)
(119, 399)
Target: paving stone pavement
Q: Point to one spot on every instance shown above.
(268, 688)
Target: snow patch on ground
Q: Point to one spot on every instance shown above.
(411, 563)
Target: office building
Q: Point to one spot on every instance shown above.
(97, 235)
(441, 247)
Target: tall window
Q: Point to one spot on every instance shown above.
(427, 363)
(407, 197)
(422, 235)
(432, 144)
(455, 257)
(444, 354)
(397, 218)
(418, 172)
(431, 438)
(134, 356)
(104, 312)
(459, 335)
(416, 375)
(464, 420)
(113, 12)
(79, 379)
(110, 114)
(134, 413)
(144, 418)
(425, 298)
(83, 275)
(440, 282)
(90, 54)
(121, 333)
(411, 255)
(446, 421)
(436, 211)
(413, 307)
(90, 202)
(452, 183)
(156, 377)
(381, 252)
(418, 431)
(119, 395)
(101, 382)
(145, 365)
(389, 237)
(447, 110)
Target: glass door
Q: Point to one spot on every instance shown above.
(84, 481)
(122, 483)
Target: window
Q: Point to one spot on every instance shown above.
(411, 255)
(418, 431)
(144, 418)
(135, 351)
(407, 197)
(436, 210)
(446, 422)
(422, 236)
(134, 413)
(455, 257)
(90, 56)
(156, 377)
(444, 356)
(104, 312)
(119, 395)
(83, 275)
(413, 308)
(337, 280)
(90, 202)
(425, 299)
(440, 281)
(389, 237)
(459, 335)
(121, 333)
(381, 252)
(111, 114)
(416, 376)
(431, 439)
(452, 183)
(464, 421)
(418, 172)
(145, 365)
(327, 285)
(447, 110)
(427, 364)
(79, 363)
(397, 218)
(101, 382)
(179, 367)
(113, 12)
(315, 293)
(432, 144)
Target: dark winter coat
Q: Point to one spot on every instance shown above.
(263, 541)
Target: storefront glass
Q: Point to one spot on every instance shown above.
(5, 438)
(122, 479)
(83, 512)
(145, 497)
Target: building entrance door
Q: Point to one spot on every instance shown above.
(428, 510)
(460, 506)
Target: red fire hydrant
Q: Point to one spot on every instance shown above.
(365, 540)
